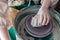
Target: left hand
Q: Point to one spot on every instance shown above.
(4, 35)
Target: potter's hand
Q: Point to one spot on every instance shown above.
(41, 18)
(2, 22)
(3, 29)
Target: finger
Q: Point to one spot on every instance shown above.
(48, 19)
(33, 22)
(3, 22)
(36, 20)
(41, 20)
(44, 20)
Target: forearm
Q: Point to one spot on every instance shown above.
(46, 3)
(3, 29)
(4, 34)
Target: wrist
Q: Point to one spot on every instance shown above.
(44, 8)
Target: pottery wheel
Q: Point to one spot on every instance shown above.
(37, 31)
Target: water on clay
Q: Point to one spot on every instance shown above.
(53, 36)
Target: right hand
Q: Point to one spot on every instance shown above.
(41, 18)
(3, 29)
